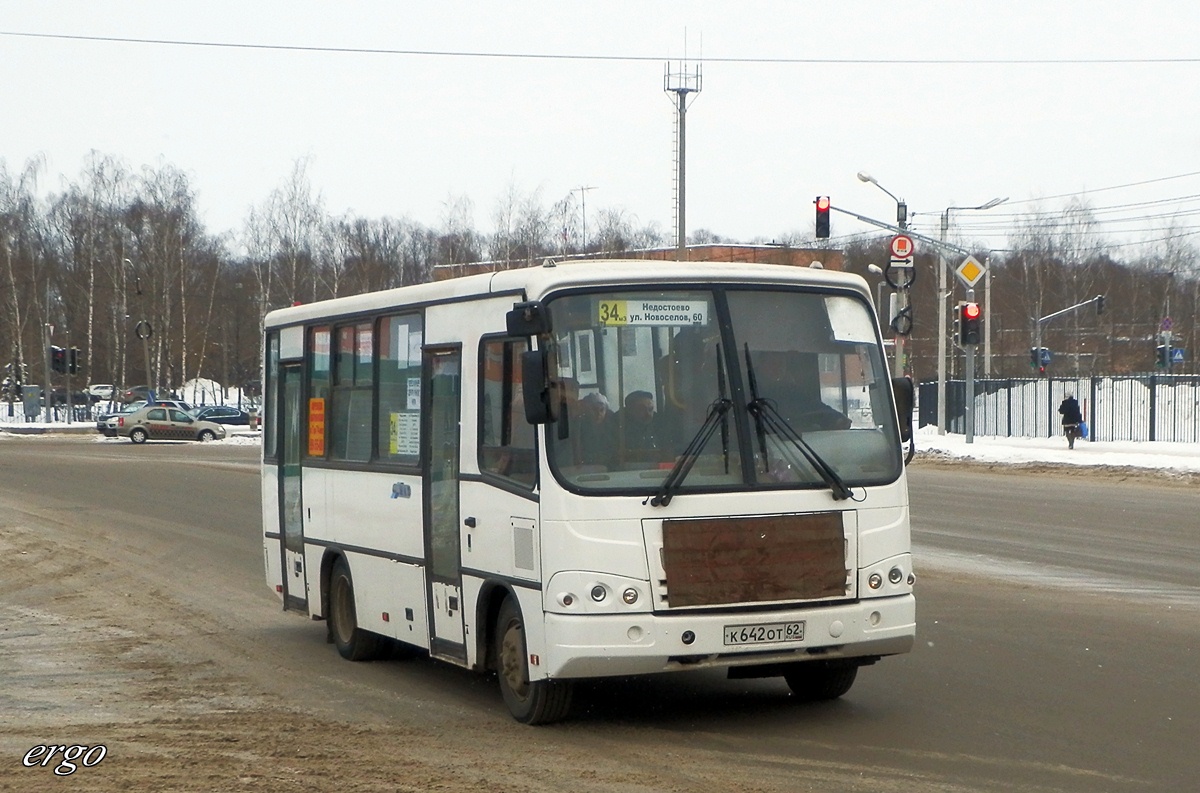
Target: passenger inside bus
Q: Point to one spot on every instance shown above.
(638, 429)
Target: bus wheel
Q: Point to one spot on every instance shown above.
(815, 681)
(530, 702)
(352, 642)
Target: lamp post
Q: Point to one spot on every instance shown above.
(901, 294)
(943, 294)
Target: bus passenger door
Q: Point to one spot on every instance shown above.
(291, 515)
(443, 386)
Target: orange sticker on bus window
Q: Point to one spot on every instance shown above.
(316, 427)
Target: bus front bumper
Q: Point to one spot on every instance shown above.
(605, 645)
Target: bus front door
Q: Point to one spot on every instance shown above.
(443, 377)
(291, 515)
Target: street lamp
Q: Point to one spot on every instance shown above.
(902, 294)
(901, 207)
(943, 294)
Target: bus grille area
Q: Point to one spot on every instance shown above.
(762, 559)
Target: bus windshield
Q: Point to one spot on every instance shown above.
(755, 387)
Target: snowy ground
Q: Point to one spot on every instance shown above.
(1133, 454)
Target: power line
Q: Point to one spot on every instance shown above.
(609, 58)
(1106, 189)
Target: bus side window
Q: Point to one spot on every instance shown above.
(506, 439)
(398, 383)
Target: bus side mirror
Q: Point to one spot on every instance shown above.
(535, 387)
(902, 389)
(527, 319)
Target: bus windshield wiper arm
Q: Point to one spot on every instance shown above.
(765, 413)
(686, 460)
(766, 417)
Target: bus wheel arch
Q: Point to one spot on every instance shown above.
(529, 701)
(353, 643)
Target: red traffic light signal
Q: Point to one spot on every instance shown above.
(822, 203)
(969, 320)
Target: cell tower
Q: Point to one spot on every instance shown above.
(681, 83)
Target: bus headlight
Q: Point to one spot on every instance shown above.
(630, 596)
(875, 581)
(599, 593)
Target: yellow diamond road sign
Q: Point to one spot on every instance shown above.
(970, 271)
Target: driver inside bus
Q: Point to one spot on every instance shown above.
(791, 381)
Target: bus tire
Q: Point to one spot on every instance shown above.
(815, 681)
(352, 642)
(530, 702)
(138, 435)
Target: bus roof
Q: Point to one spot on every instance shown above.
(535, 283)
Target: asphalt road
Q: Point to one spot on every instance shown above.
(1058, 640)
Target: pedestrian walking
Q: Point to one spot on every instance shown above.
(1072, 418)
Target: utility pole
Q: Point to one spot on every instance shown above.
(583, 211)
(46, 356)
(681, 84)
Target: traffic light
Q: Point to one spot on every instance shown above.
(1099, 305)
(822, 203)
(1038, 359)
(73, 361)
(58, 359)
(1163, 358)
(968, 323)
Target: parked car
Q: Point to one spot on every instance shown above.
(103, 419)
(221, 414)
(159, 422)
(101, 391)
(136, 393)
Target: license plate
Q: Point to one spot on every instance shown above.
(766, 632)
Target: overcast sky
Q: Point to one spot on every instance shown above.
(945, 103)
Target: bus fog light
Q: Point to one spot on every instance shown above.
(599, 593)
(688, 637)
(630, 596)
(566, 599)
(895, 575)
(875, 581)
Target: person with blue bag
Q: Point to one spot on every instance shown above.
(1072, 420)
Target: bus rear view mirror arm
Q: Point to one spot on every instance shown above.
(527, 319)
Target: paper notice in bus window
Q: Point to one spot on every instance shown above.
(405, 434)
(414, 394)
(652, 312)
(316, 427)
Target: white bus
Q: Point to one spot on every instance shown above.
(595, 469)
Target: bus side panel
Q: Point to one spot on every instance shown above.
(389, 598)
(505, 539)
(376, 510)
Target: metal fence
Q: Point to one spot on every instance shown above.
(1134, 408)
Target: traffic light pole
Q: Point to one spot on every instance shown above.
(1098, 300)
(969, 397)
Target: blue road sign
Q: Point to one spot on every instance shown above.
(1177, 355)
(1045, 355)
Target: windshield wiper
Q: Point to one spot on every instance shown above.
(716, 415)
(684, 464)
(767, 418)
